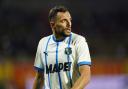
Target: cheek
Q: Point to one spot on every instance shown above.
(64, 24)
(61, 26)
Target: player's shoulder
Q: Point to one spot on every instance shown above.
(44, 40)
(77, 37)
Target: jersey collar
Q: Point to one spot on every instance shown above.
(53, 39)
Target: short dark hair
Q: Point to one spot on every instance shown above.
(53, 12)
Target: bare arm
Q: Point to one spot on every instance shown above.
(84, 77)
(39, 81)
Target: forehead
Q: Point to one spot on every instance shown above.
(63, 15)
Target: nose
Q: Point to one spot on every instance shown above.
(69, 24)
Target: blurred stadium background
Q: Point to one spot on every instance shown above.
(104, 23)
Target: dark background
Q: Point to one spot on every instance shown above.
(104, 23)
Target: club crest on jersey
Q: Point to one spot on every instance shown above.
(68, 50)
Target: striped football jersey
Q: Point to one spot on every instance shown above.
(59, 60)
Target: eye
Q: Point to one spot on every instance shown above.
(64, 20)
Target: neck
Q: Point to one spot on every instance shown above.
(58, 37)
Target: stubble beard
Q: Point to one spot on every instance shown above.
(64, 34)
(61, 32)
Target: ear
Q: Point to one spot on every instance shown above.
(52, 24)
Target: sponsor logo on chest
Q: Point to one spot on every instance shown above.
(51, 68)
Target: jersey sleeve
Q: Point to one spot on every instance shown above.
(38, 64)
(83, 55)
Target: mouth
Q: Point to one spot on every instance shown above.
(68, 29)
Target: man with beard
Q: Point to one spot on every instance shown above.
(62, 59)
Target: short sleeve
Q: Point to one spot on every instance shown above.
(83, 55)
(38, 64)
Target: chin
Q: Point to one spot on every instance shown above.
(67, 34)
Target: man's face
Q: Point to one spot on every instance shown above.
(62, 24)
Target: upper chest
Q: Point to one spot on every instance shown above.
(61, 52)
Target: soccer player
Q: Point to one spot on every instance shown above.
(62, 59)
